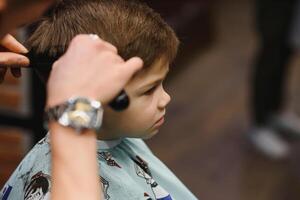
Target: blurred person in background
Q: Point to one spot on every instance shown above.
(272, 120)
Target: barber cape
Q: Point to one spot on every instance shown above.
(128, 171)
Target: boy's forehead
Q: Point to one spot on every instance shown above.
(156, 71)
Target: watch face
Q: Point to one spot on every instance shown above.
(81, 113)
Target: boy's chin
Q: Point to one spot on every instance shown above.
(150, 134)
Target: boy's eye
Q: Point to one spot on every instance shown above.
(150, 91)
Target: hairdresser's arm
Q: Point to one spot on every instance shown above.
(10, 57)
(74, 165)
(90, 68)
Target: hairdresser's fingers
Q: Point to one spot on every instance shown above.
(101, 43)
(110, 47)
(11, 44)
(132, 65)
(16, 72)
(8, 59)
(83, 39)
(109, 57)
(125, 71)
(90, 42)
(2, 73)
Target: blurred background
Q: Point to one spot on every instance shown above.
(205, 139)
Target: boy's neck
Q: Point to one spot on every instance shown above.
(105, 135)
(107, 144)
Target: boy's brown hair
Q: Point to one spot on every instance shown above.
(130, 25)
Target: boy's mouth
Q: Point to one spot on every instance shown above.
(160, 121)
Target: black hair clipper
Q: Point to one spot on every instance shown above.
(42, 65)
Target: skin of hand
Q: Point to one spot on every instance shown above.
(10, 57)
(74, 164)
(90, 68)
(14, 13)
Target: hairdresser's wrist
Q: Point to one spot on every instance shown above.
(54, 100)
(64, 136)
(67, 170)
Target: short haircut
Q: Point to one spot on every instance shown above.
(130, 25)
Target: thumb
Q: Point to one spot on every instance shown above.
(133, 65)
(8, 59)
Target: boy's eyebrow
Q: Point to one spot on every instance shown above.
(159, 80)
(153, 83)
(149, 85)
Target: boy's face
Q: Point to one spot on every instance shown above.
(148, 101)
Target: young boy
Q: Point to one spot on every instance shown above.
(128, 169)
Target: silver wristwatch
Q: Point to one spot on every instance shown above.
(79, 113)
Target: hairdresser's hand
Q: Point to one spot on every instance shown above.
(10, 57)
(91, 68)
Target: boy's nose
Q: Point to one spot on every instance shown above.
(165, 100)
